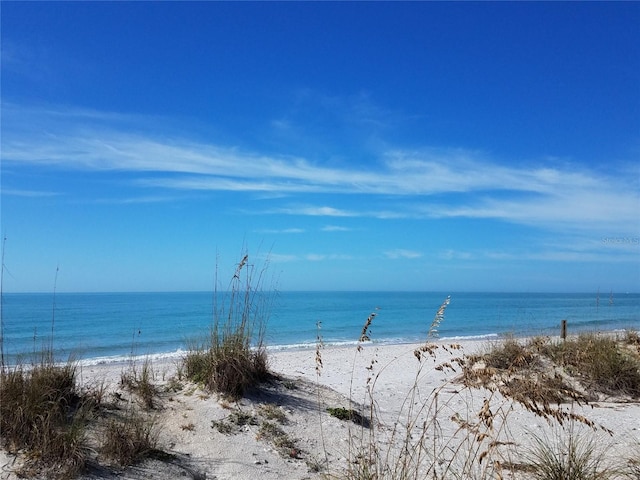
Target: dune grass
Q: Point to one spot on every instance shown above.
(44, 412)
(57, 426)
(141, 382)
(129, 437)
(234, 357)
(544, 377)
(569, 455)
(600, 363)
(541, 374)
(412, 446)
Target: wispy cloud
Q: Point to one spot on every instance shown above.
(466, 183)
(335, 228)
(451, 254)
(28, 193)
(316, 211)
(401, 253)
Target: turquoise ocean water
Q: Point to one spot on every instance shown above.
(108, 327)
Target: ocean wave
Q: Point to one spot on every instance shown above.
(380, 341)
(460, 338)
(121, 359)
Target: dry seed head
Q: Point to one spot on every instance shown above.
(319, 346)
(433, 329)
(364, 336)
(242, 263)
(486, 415)
(443, 366)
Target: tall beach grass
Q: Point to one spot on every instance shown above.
(233, 358)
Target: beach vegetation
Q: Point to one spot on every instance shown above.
(520, 371)
(600, 362)
(540, 372)
(141, 382)
(283, 443)
(129, 438)
(272, 412)
(348, 414)
(188, 427)
(233, 358)
(569, 455)
(632, 337)
(44, 413)
(631, 470)
(547, 378)
(411, 445)
(234, 422)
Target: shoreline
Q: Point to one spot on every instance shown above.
(121, 360)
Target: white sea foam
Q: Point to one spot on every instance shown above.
(460, 338)
(120, 359)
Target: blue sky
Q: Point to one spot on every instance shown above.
(362, 146)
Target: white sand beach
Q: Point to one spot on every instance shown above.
(319, 444)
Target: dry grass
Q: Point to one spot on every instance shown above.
(413, 447)
(272, 412)
(141, 382)
(544, 372)
(234, 422)
(43, 412)
(271, 432)
(57, 428)
(600, 362)
(529, 373)
(569, 455)
(520, 372)
(129, 438)
(234, 357)
(631, 470)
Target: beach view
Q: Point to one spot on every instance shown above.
(320, 240)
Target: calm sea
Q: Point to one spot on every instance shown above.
(106, 327)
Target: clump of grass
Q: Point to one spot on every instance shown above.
(524, 372)
(632, 468)
(568, 456)
(43, 413)
(284, 444)
(130, 438)
(234, 357)
(272, 412)
(509, 354)
(141, 382)
(349, 414)
(600, 363)
(234, 422)
(290, 384)
(516, 369)
(632, 337)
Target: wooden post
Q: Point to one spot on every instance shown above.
(563, 330)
